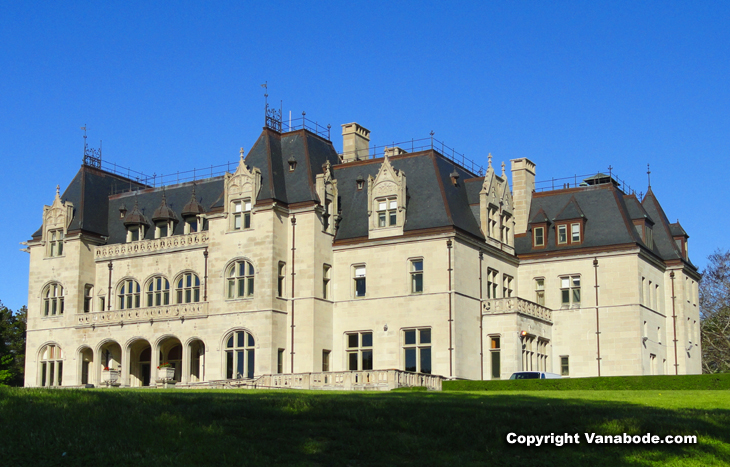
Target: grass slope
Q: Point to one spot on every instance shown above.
(177, 427)
(656, 383)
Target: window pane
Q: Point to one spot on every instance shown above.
(240, 339)
(425, 335)
(410, 359)
(230, 342)
(381, 219)
(188, 280)
(367, 339)
(393, 204)
(352, 340)
(576, 281)
(410, 337)
(229, 364)
(495, 342)
(565, 296)
(496, 371)
(360, 287)
(392, 218)
(564, 282)
(237, 222)
(242, 269)
(426, 360)
(237, 207)
(417, 265)
(250, 363)
(188, 295)
(540, 284)
(239, 364)
(367, 359)
(248, 205)
(381, 205)
(250, 286)
(251, 342)
(352, 361)
(247, 221)
(250, 269)
(360, 271)
(196, 295)
(241, 285)
(576, 295)
(417, 285)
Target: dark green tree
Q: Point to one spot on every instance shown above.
(12, 345)
(715, 313)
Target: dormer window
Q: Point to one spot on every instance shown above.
(649, 236)
(133, 233)
(575, 233)
(387, 212)
(135, 223)
(360, 182)
(292, 164)
(538, 236)
(241, 214)
(162, 229)
(562, 234)
(569, 234)
(55, 242)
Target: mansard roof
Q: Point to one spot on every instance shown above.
(635, 209)
(432, 199)
(570, 211)
(662, 234)
(271, 153)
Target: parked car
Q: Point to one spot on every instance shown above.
(534, 375)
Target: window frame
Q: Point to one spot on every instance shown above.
(55, 243)
(326, 281)
(535, 243)
(419, 347)
(88, 298)
(233, 350)
(157, 289)
(53, 305)
(326, 354)
(359, 351)
(128, 300)
(241, 210)
(558, 233)
(571, 302)
(281, 279)
(565, 365)
(507, 286)
(495, 349)
(234, 280)
(539, 290)
(416, 275)
(356, 280)
(50, 366)
(189, 292)
(388, 214)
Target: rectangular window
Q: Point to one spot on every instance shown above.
(528, 352)
(280, 280)
(417, 350)
(326, 281)
(88, 297)
(359, 278)
(416, 276)
(134, 234)
(570, 291)
(494, 350)
(575, 233)
(55, 242)
(387, 212)
(325, 360)
(562, 234)
(564, 365)
(359, 351)
(539, 236)
(280, 361)
(507, 286)
(492, 285)
(102, 304)
(540, 291)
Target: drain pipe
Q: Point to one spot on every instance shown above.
(481, 318)
(205, 277)
(449, 245)
(674, 324)
(293, 276)
(598, 327)
(109, 296)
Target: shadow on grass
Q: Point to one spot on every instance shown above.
(147, 427)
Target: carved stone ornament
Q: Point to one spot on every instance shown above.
(58, 215)
(243, 183)
(389, 183)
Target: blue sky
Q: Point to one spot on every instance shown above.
(167, 86)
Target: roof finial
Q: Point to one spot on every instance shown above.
(648, 174)
(503, 173)
(164, 198)
(241, 153)
(58, 190)
(489, 158)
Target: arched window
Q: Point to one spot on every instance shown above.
(188, 288)
(53, 299)
(240, 279)
(158, 291)
(240, 356)
(51, 367)
(128, 294)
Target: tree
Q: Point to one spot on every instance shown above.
(12, 345)
(715, 313)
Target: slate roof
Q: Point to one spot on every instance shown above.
(662, 234)
(570, 211)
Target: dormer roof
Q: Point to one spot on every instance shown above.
(164, 213)
(193, 207)
(135, 216)
(570, 211)
(540, 218)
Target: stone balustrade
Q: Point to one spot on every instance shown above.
(365, 380)
(143, 247)
(516, 305)
(141, 315)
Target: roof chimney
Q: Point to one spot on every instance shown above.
(523, 184)
(355, 142)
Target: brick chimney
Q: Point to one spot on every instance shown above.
(523, 184)
(355, 142)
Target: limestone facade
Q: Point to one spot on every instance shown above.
(306, 261)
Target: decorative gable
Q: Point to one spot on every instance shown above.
(326, 187)
(386, 201)
(243, 184)
(496, 207)
(57, 216)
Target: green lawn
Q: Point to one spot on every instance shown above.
(188, 427)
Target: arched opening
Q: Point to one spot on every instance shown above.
(197, 361)
(140, 363)
(171, 352)
(109, 365)
(51, 366)
(86, 358)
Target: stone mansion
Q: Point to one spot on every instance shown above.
(306, 261)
